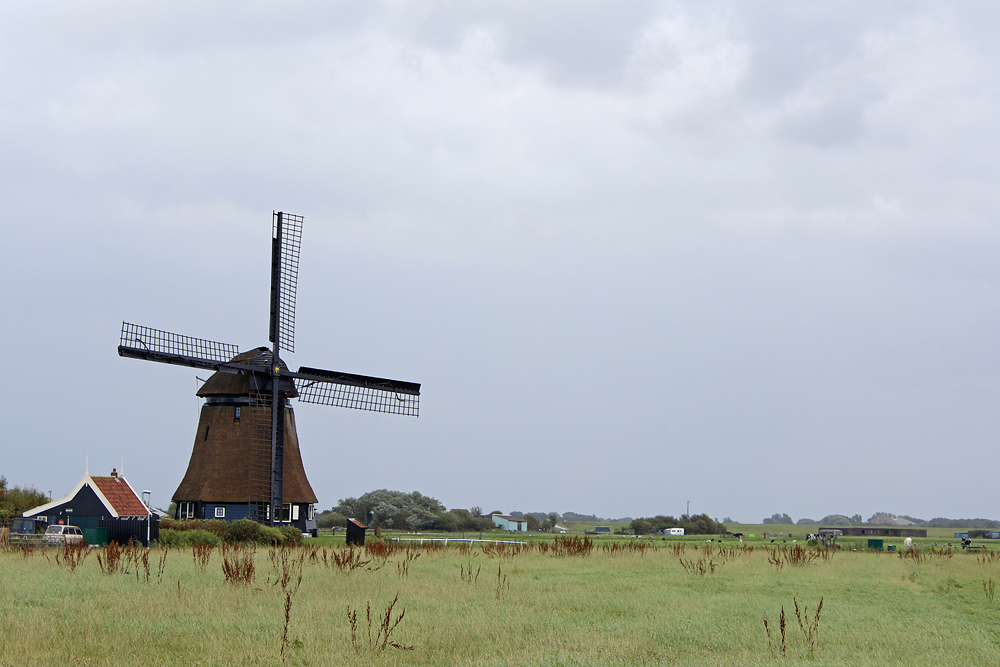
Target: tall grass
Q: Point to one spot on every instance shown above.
(615, 607)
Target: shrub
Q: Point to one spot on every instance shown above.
(291, 534)
(217, 528)
(446, 521)
(198, 536)
(245, 531)
(171, 537)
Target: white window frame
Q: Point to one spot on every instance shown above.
(311, 513)
(295, 512)
(220, 512)
(185, 510)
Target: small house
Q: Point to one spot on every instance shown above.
(511, 523)
(106, 508)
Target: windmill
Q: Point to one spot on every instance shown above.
(242, 462)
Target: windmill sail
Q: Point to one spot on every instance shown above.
(139, 342)
(361, 392)
(286, 241)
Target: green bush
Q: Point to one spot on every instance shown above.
(246, 531)
(291, 534)
(171, 537)
(217, 528)
(193, 537)
(271, 536)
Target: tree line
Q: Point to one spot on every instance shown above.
(883, 519)
(700, 524)
(16, 499)
(403, 511)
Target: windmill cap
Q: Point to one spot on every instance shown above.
(238, 384)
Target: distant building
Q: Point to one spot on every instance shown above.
(878, 531)
(108, 503)
(511, 523)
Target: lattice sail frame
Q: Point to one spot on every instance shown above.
(359, 398)
(136, 337)
(288, 252)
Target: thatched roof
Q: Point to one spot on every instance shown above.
(238, 384)
(224, 454)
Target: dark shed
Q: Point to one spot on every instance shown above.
(355, 532)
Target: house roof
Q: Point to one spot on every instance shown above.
(115, 493)
(510, 518)
(120, 495)
(357, 523)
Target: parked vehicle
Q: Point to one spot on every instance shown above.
(26, 531)
(63, 535)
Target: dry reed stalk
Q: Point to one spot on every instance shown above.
(781, 626)
(403, 567)
(990, 589)
(572, 546)
(290, 580)
(346, 560)
(162, 564)
(631, 548)
(202, 555)
(810, 628)
(72, 555)
(701, 567)
(238, 564)
(503, 550)
(382, 639)
(502, 584)
(467, 575)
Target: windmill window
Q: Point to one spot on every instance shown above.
(207, 426)
(236, 413)
(311, 513)
(185, 510)
(295, 512)
(220, 512)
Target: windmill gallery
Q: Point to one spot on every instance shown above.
(245, 462)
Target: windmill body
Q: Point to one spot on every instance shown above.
(246, 462)
(230, 459)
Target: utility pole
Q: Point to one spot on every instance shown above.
(688, 515)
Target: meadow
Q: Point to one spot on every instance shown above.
(616, 602)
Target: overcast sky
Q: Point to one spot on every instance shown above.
(742, 254)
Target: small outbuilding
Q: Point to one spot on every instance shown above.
(878, 531)
(106, 508)
(356, 533)
(511, 523)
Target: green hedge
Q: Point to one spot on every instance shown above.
(243, 531)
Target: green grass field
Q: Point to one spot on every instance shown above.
(608, 608)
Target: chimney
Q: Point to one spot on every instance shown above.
(114, 472)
